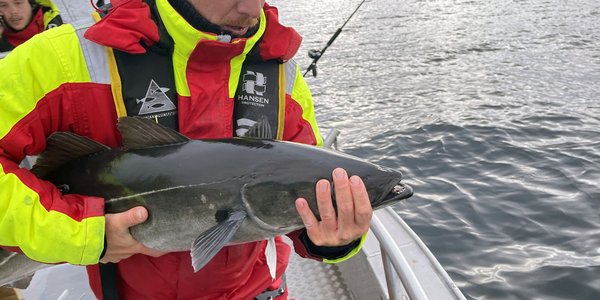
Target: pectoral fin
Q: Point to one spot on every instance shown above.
(206, 246)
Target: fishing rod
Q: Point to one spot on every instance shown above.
(316, 54)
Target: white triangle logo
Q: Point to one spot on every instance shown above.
(156, 100)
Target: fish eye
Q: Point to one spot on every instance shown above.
(221, 215)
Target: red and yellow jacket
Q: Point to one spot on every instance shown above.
(60, 81)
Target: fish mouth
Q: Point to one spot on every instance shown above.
(397, 191)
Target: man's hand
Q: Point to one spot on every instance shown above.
(120, 244)
(353, 211)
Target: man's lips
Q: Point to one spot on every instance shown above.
(236, 30)
(15, 20)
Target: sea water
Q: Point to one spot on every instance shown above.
(492, 111)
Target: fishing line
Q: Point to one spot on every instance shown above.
(316, 54)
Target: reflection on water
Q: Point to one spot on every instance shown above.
(490, 108)
(542, 257)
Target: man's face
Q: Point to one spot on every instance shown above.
(16, 13)
(234, 16)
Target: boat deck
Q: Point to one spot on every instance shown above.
(306, 279)
(309, 279)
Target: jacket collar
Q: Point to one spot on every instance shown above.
(186, 37)
(129, 27)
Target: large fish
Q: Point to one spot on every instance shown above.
(202, 195)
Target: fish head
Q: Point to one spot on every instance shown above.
(270, 203)
(385, 187)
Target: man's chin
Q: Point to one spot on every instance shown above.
(16, 26)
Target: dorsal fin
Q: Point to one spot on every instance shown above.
(260, 130)
(62, 147)
(140, 133)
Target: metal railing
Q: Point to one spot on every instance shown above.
(398, 266)
(400, 277)
(395, 265)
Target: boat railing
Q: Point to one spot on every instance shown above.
(410, 267)
(395, 265)
(410, 271)
(330, 141)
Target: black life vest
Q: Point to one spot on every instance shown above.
(254, 99)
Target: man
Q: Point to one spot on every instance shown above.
(22, 19)
(210, 69)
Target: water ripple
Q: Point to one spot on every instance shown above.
(490, 110)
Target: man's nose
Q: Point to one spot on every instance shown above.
(251, 8)
(13, 11)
